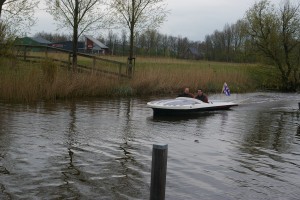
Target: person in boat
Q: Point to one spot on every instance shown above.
(186, 93)
(200, 96)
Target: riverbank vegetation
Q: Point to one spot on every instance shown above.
(267, 34)
(29, 82)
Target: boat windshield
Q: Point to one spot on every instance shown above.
(189, 100)
(181, 101)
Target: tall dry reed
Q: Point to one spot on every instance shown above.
(28, 82)
(48, 82)
(170, 79)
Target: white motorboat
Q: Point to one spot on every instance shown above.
(185, 105)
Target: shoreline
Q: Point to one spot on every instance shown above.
(31, 82)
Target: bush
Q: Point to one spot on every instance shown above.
(6, 40)
(49, 70)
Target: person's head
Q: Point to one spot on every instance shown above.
(186, 90)
(199, 92)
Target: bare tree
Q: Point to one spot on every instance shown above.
(18, 15)
(228, 39)
(79, 16)
(138, 15)
(239, 38)
(165, 45)
(182, 46)
(151, 37)
(4, 39)
(124, 42)
(173, 42)
(112, 40)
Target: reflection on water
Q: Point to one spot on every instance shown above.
(178, 118)
(101, 149)
(70, 170)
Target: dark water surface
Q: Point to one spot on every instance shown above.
(101, 149)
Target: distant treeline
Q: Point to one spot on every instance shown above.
(230, 45)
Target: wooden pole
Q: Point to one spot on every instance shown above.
(25, 51)
(299, 105)
(158, 172)
(46, 52)
(69, 61)
(120, 70)
(94, 63)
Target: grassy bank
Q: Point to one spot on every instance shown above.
(155, 76)
(28, 82)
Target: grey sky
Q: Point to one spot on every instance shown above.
(196, 18)
(187, 18)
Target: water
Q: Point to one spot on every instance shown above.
(101, 149)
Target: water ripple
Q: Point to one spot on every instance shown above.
(100, 148)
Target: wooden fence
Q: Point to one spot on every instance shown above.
(86, 62)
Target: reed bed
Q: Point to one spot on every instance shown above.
(170, 75)
(29, 82)
(46, 81)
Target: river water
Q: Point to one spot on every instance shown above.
(102, 149)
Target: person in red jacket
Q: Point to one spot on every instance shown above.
(202, 97)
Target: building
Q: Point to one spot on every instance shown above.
(193, 53)
(94, 46)
(90, 45)
(68, 45)
(32, 41)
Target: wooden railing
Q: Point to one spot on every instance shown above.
(86, 62)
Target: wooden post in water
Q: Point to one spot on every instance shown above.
(299, 105)
(158, 172)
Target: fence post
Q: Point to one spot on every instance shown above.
(158, 172)
(120, 70)
(69, 61)
(94, 63)
(46, 52)
(25, 51)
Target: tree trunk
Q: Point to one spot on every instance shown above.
(130, 58)
(75, 35)
(1, 6)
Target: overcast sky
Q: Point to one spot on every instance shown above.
(187, 18)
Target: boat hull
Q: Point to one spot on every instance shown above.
(184, 106)
(161, 111)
